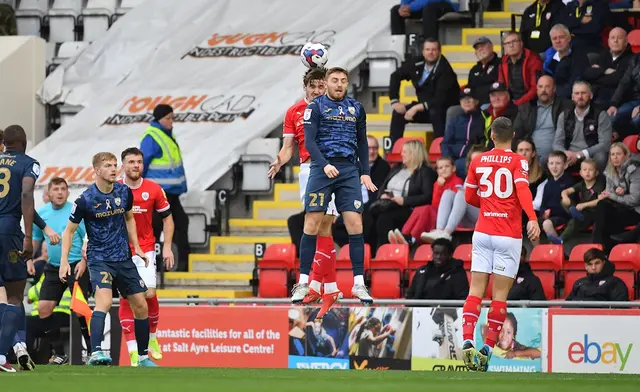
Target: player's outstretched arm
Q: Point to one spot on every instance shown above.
(168, 228)
(284, 156)
(133, 236)
(28, 211)
(67, 241)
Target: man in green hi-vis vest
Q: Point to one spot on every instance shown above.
(163, 164)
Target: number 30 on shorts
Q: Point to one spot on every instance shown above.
(502, 185)
(313, 202)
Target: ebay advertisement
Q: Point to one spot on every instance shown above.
(594, 341)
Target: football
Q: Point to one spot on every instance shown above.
(314, 55)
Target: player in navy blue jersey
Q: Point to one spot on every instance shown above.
(18, 174)
(105, 208)
(335, 134)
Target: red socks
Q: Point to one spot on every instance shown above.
(470, 315)
(154, 313)
(495, 318)
(126, 320)
(326, 255)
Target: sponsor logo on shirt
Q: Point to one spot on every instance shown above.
(496, 214)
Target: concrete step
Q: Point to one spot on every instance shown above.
(203, 292)
(516, 6)
(263, 209)
(499, 19)
(286, 192)
(230, 280)
(237, 245)
(459, 53)
(408, 92)
(469, 35)
(221, 263)
(249, 231)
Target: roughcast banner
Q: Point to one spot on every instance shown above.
(437, 340)
(229, 74)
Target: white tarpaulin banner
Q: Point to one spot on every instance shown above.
(229, 68)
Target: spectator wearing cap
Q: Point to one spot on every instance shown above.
(163, 164)
(538, 119)
(485, 72)
(464, 131)
(583, 132)
(427, 10)
(519, 69)
(501, 106)
(437, 88)
(605, 74)
(586, 20)
(537, 20)
(562, 63)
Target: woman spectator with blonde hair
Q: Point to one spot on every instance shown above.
(619, 204)
(407, 186)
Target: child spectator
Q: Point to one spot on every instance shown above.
(553, 214)
(582, 206)
(423, 218)
(599, 284)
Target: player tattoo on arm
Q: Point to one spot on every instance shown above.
(28, 212)
(133, 236)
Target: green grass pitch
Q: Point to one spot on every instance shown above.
(121, 379)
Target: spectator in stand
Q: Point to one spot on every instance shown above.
(582, 198)
(463, 132)
(537, 175)
(501, 106)
(584, 132)
(453, 210)
(600, 284)
(560, 61)
(485, 72)
(527, 286)
(442, 278)
(553, 214)
(519, 69)
(423, 218)
(625, 103)
(163, 164)
(407, 186)
(378, 167)
(538, 119)
(537, 20)
(436, 86)
(427, 10)
(606, 73)
(586, 20)
(619, 205)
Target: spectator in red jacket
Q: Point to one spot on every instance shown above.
(519, 69)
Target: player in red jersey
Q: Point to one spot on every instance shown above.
(325, 257)
(498, 184)
(147, 197)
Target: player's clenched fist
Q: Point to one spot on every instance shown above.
(533, 230)
(331, 171)
(366, 180)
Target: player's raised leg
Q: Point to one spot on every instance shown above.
(326, 258)
(481, 268)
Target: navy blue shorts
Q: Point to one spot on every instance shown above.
(123, 275)
(346, 188)
(12, 267)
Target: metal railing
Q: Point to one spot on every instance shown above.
(400, 302)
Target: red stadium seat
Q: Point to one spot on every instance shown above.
(634, 40)
(576, 258)
(344, 260)
(570, 277)
(279, 256)
(395, 155)
(344, 278)
(629, 279)
(385, 283)
(626, 256)
(632, 143)
(434, 150)
(272, 283)
(548, 280)
(423, 255)
(547, 257)
(463, 252)
(392, 256)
